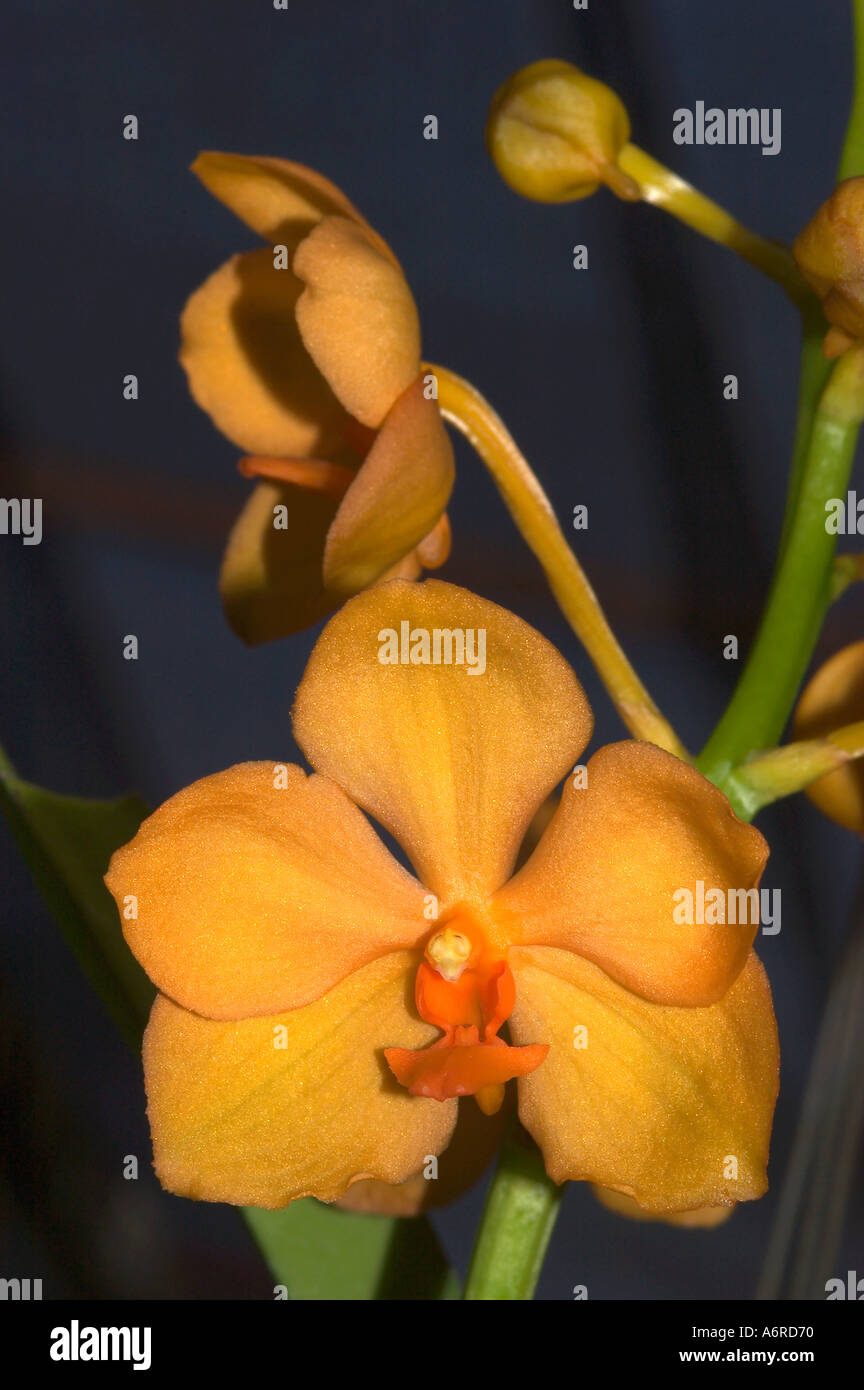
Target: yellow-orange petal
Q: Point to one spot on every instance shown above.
(261, 1111)
(357, 318)
(453, 759)
(702, 1218)
(271, 579)
(672, 1106)
(476, 1140)
(606, 878)
(834, 696)
(277, 198)
(258, 889)
(247, 365)
(397, 497)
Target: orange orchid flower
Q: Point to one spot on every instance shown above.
(322, 1009)
(306, 354)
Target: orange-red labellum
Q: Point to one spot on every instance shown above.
(465, 987)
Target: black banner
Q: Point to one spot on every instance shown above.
(66, 1339)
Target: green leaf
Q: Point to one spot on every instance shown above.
(67, 842)
(320, 1252)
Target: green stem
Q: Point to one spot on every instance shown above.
(517, 1222)
(852, 158)
(822, 456)
(812, 379)
(660, 186)
(522, 1204)
(801, 590)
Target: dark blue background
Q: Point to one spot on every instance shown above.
(611, 380)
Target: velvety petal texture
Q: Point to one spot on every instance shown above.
(247, 366)
(452, 759)
(261, 1111)
(258, 889)
(397, 497)
(603, 880)
(475, 1142)
(672, 1106)
(357, 317)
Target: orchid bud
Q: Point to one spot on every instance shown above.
(830, 255)
(555, 134)
(833, 699)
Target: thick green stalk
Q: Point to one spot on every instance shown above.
(517, 1223)
(812, 379)
(820, 450)
(521, 1208)
(801, 590)
(822, 459)
(814, 368)
(852, 158)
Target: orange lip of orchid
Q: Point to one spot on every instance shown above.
(465, 987)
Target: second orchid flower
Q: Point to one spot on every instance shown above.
(306, 355)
